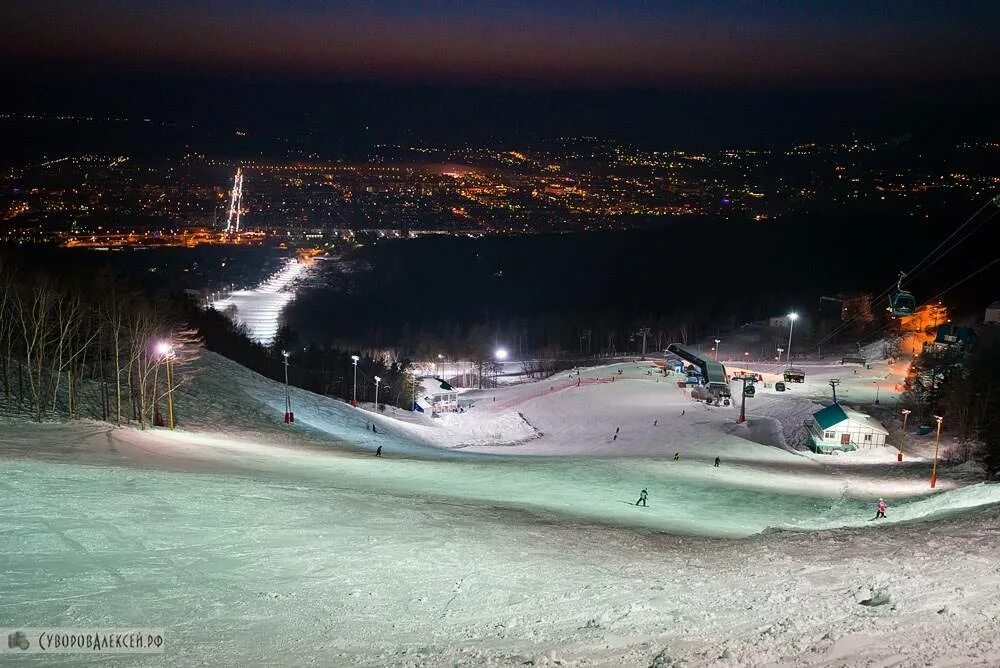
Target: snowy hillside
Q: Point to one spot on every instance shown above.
(497, 536)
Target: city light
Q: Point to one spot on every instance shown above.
(235, 204)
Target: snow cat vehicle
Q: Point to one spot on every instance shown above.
(793, 375)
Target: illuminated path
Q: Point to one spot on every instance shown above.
(260, 309)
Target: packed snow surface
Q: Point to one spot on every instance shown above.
(502, 535)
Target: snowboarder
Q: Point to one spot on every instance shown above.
(654, 422)
(617, 429)
(615, 437)
(683, 412)
(880, 509)
(642, 498)
(378, 451)
(717, 462)
(374, 430)
(677, 456)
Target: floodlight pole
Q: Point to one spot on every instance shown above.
(354, 398)
(937, 443)
(902, 437)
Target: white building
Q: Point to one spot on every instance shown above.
(437, 396)
(834, 428)
(992, 314)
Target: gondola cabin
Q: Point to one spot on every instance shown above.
(902, 303)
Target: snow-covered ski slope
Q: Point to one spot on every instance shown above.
(498, 536)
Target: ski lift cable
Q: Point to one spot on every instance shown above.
(958, 283)
(917, 269)
(991, 200)
(954, 245)
(943, 292)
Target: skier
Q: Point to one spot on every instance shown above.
(717, 462)
(617, 429)
(880, 512)
(677, 456)
(642, 497)
(654, 422)
(374, 430)
(683, 412)
(615, 437)
(378, 451)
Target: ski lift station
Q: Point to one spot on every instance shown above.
(835, 428)
(710, 373)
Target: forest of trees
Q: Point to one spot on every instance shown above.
(964, 388)
(321, 369)
(80, 345)
(590, 293)
(75, 346)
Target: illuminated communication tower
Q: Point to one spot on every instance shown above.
(235, 204)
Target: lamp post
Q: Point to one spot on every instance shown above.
(167, 352)
(354, 396)
(717, 342)
(289, 416)
(780, 350)
(792, 317)
(876, 391)
(500, 355)
(377, 381)
(937, 443)
(440, 364)
(902, 439)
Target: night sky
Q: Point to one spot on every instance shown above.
(929, 54)
(573, 41)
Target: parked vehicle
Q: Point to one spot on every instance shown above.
(793, 375)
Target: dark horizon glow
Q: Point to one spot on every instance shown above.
(590, 43)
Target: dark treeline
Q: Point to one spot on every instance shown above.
(964, 389)
(590, 293)
(317, 368)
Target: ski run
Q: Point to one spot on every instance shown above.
(503, 535)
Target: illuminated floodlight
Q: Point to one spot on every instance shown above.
(163, 348)
(501, 353)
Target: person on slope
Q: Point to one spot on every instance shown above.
(677, 456)
(880, 510)
(642, 498)
(717, 462)
(378, 451)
